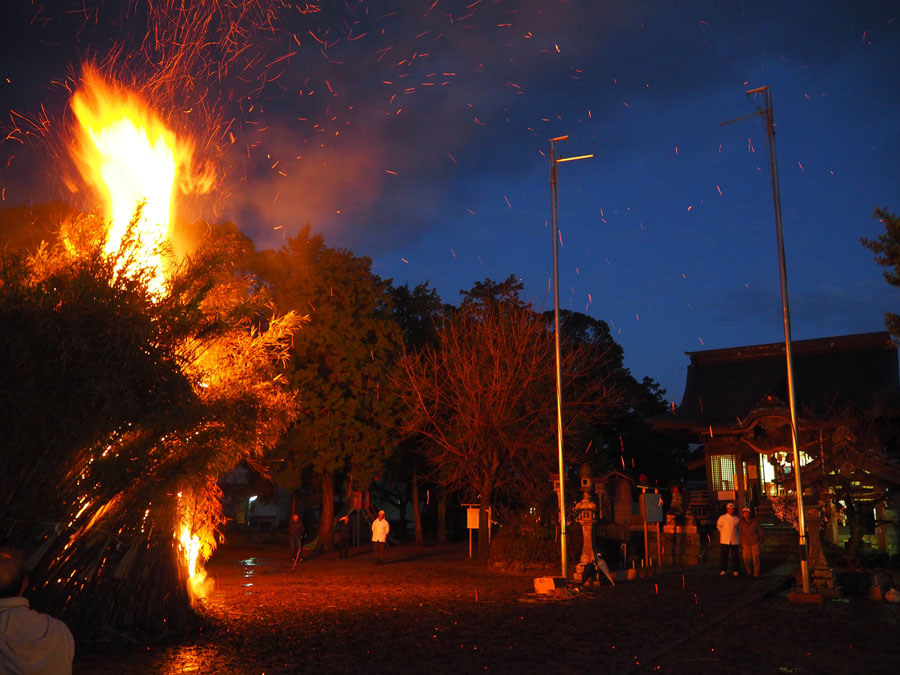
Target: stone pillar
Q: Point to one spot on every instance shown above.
(624, 500)
(821, 576)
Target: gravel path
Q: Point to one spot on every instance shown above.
(432, 611)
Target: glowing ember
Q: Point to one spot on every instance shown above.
(129, 157)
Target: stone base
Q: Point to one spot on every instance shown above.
(543, 585)
(681, 529)
(579, 569)
(808, 598)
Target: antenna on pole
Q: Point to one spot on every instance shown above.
(769, 122)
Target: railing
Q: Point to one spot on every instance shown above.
(700, 505)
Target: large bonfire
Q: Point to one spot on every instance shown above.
(138, 378)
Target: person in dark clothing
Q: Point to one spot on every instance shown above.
(343, 533)
(295, 536)
(30, 642)
(752, 536)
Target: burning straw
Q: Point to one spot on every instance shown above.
(117, 401)
(133, 378)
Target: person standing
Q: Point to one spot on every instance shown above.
(30, 642)
(295, 537)
(751, 536)
(343, 533)
(729, 538)
(380, 529)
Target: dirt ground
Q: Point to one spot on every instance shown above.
(433, 611)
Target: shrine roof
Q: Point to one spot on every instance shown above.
(847, 372)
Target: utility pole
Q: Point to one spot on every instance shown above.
(554, 207)
(769, 122)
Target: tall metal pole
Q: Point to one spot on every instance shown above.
(782, 268)
(554, 207)
(554, 204)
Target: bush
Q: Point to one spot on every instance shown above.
(521, 540)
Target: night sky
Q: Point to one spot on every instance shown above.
(416, 133)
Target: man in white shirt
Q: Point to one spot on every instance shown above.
(30, 642)
(729, 539)
(380, 529)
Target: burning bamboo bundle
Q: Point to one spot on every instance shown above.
(121, 409)
(132, 376)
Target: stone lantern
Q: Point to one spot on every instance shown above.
(586, 515)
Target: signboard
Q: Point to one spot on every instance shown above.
(653, 511)
(357, 499)
(472, 518)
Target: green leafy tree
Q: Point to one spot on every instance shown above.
(419, 312)
(489, 293)
(339, 367)
(886, 248)
(624, 440)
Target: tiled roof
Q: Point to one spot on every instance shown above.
(831, 374)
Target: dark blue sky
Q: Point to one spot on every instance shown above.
(417, 136)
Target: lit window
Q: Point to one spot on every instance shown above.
(722, 472)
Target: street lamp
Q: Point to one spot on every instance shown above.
(769, 121)
(554, 206)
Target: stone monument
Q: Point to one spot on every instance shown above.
(586, 514)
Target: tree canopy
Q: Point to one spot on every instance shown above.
(484, 398)
(886, 248)
(339, 365)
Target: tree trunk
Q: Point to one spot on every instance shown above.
(401, 507)
(296, 506)
(853, 521)
(441, 533)
(327, 516)
(417, 513)
(484, 522)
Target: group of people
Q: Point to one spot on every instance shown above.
(745, 533)
(343, 536)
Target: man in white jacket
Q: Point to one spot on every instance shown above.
(30, 642)
(729, 539)
(380, 529)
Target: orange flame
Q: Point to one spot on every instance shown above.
(191, 547)
(128, 156)
(196, 544)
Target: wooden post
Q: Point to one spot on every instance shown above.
(658, 540)
(881, 526)
(646, 537)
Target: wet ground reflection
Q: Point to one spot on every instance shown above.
(439, 612)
